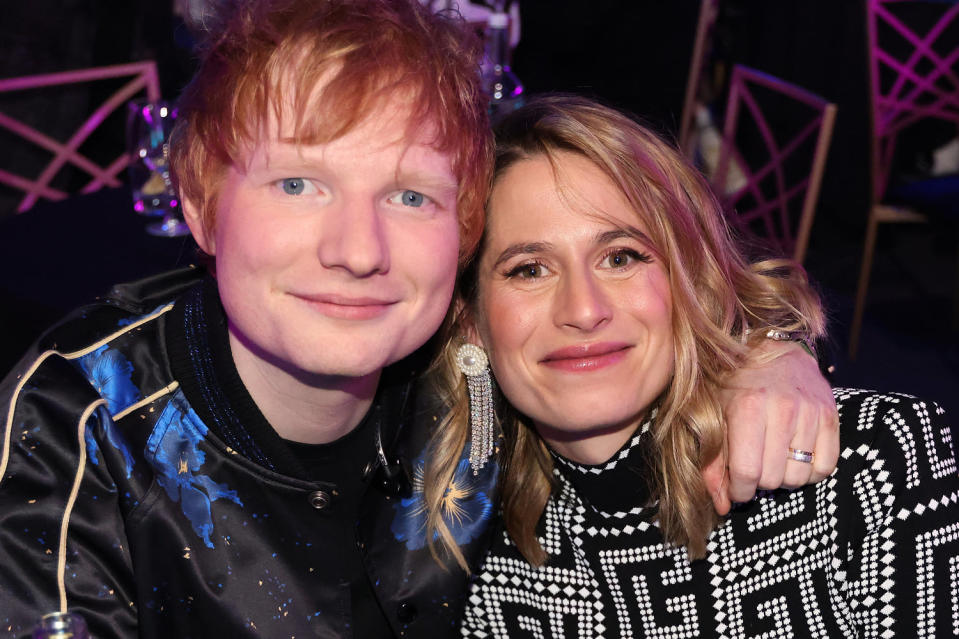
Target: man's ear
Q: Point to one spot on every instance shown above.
(203, 237)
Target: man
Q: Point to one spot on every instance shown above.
(227, 455)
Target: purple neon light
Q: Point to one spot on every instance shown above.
(913, 95)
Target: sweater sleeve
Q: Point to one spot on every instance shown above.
(903, 570)
(64, 487)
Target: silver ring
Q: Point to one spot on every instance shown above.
(803, 456)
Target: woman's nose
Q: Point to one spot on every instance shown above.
(581, 303)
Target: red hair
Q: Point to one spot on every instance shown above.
(271, 55)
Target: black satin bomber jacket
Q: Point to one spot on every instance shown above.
(176, 523)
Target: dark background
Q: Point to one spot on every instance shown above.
(633, 54)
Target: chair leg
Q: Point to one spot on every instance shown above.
(955, 296)
(864, 273)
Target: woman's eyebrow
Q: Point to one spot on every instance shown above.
(605, 237)
(521, 249)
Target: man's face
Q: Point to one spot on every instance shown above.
(336, 259)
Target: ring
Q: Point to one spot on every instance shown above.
(803, 456)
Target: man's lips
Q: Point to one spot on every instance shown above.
(346, 307)
(586, 357)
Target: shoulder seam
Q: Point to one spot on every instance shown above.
(14, 398)
(169, 388)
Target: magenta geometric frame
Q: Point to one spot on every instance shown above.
(912, 95)
(708, 11)
(774, 211)
(144, 78)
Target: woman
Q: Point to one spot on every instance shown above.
(612, 302)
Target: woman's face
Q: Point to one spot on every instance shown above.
(574, 305)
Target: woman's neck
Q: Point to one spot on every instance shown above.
(594, 446)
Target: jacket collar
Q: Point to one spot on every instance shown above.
(198, 342)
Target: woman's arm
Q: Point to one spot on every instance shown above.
(898, 516)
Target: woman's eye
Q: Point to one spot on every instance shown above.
(294, 186)
(621, 258)
(529, 271)
(411, 198)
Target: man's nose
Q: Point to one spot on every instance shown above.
(353, 238)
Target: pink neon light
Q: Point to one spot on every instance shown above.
(145, 78)
(773, 212)
(925, 84)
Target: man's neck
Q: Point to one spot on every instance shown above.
(311, 409)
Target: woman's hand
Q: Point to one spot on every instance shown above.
(772, 405)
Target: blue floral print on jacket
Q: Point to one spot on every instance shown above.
(467, 505)
(113, 435)
(173, 449)
(111, 374)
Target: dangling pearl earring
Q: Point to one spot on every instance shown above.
(472, 362)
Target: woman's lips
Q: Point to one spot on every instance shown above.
(586, 357)
(344, 307)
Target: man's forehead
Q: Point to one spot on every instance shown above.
(327, 104)
(406, 150)
(389, 121)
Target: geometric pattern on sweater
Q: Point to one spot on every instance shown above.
(872, 551)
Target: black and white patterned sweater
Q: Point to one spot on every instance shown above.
(872, 551)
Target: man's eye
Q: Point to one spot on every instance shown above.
(412, 198)
(293, 186)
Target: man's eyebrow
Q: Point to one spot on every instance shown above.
(513, 250)
(280, 156)
(428, 179)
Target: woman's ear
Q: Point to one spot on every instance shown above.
(466, 320)
(474, 336)
(204, 237)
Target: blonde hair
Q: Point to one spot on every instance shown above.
(721, 306)
(267, 55)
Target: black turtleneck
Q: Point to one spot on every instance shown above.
(618, 484)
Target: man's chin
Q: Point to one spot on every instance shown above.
(344, 370)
